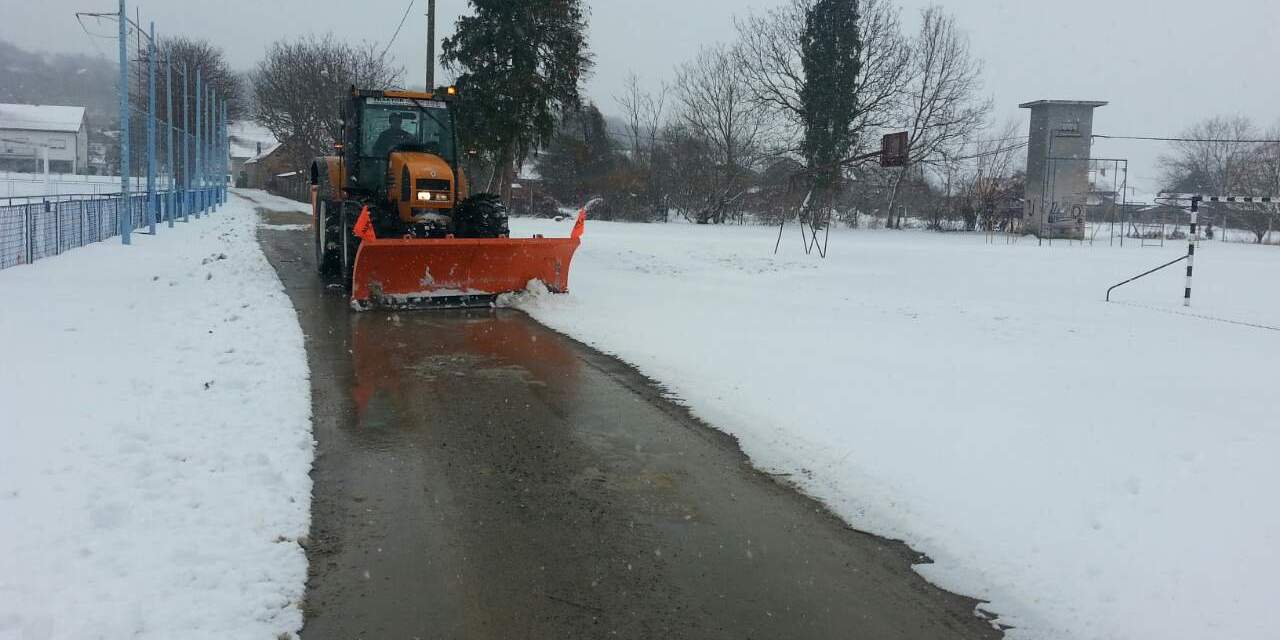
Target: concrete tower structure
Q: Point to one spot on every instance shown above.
(1061, 143)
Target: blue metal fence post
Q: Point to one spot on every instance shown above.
(210, 158)
(217, 153)
(222, 163)
(125, 221)
(204, 148)
(196, 175)
(208, 148)
(226, 152)
(152, 203)
(224, 158)
(186, 145)
(172, 193)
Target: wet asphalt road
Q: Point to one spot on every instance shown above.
(479, 476)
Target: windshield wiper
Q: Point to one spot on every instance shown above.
(427, 111)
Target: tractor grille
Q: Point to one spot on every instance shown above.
(426, 184)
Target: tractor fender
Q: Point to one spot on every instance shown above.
(327, 176)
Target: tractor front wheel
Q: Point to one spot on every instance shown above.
(481, 216)
(328, 252)
(345, 242)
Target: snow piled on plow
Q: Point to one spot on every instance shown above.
(1092, 470)
(532, 291)
(155, 440)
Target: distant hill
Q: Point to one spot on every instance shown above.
(68, 79)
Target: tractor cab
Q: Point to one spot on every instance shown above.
(414, 125)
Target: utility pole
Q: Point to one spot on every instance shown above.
(431, 45)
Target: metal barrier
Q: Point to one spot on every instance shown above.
(1145, 274)
(36, 227)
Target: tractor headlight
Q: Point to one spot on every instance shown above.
(433, 196)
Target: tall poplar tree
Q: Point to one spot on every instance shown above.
(831, 54)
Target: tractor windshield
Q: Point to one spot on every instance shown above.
(420, 125)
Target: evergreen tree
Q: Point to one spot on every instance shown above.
(519, 64)
(579, 161)
(831, 53)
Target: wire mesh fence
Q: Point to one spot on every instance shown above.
(35, 228)
(171, 152)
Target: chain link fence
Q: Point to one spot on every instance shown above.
(33, 228)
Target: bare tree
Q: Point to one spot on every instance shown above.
(193, 54)
(995, 162)
(716, 111)
(1217, 157)
(941, 107)
(644, 114)
(1267, 176)
(768, 51)
(1214, 163)
(300, 85)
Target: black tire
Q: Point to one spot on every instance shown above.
(481, 216)
(328, 253)
(346, 243)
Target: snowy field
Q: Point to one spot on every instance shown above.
(1093, 470)
(155, 441)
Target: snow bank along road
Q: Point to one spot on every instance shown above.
(1094, 470)
(479, 476)
(154, 440)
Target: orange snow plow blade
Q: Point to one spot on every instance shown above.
(450, 272)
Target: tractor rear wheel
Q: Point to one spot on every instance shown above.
(481, 216)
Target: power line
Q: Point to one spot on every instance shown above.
(398, 27)
(93, 37)
(973, 142)
(992, 152)
(661, 137)
(80, 19)
(1156, 139)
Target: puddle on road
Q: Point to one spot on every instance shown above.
(283, 220)
(434, 368)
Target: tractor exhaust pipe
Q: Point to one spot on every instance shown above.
(431, 46)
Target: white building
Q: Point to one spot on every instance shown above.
(27, 129)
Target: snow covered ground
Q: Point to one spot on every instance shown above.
(155, 440)
(1093, 470)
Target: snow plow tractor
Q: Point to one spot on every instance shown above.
(394, 217)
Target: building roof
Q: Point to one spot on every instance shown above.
(1069, 103)
(266, 151)
(41, 117)
(245, 136)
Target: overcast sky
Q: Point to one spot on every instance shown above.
(1161, 63)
